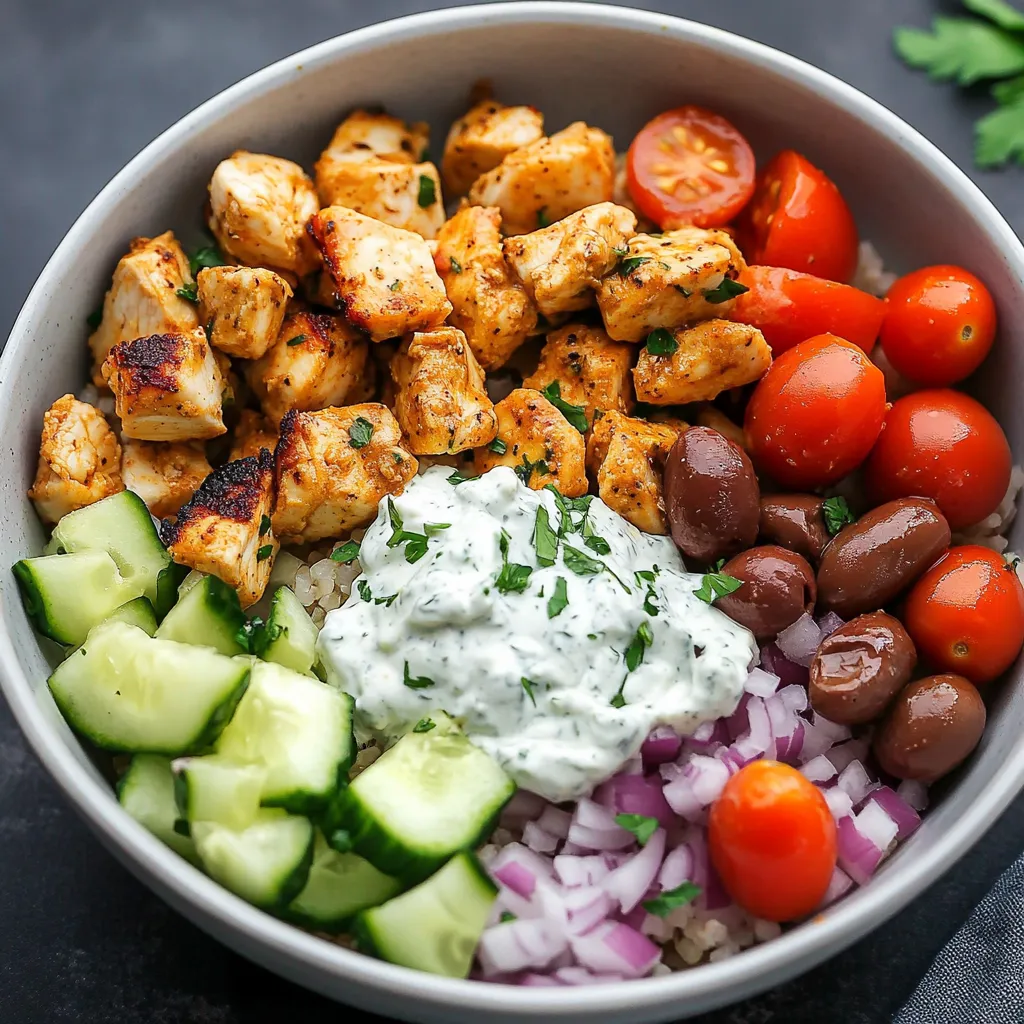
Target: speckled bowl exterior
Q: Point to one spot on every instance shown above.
(614, 68)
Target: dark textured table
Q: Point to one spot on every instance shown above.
(85, 86)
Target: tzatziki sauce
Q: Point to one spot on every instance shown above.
(556, 633)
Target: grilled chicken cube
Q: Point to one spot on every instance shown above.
(591, 370)
(538, 442)
(164, 475)
(79, 460)
(253, 432)
(667, 280)
(627, 457)
(333, 467)
(144, 297)
(549, 179)
(440, 400)
(709, 416)
(560, 265)
(379, 136)
(384, 276)
(316, 361)
(259, 208)
(167, 387)
(483, 137)
(225, 528)
(242, 307)
(489, 305)
(710, 358)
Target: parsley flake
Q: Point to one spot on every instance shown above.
(513, 578)
(428, 191)
(836, 513)
(424, 724)
(663, 904)
(558, 601)
(364, 590)
(580, 563)
(415, 682)
(642, 639)
(347, 553)
(457, 478)
(506, 916)
(627, 266)
(542, 217)
(297, 340)
(640, 825)
(661, 342)
(264, 552)
(265, 525)
(620, 252)
(727, 290)
(528, 687)
(205, 256)
(685, 292)
(395, 286)
(575, 414)
(714, 585)
(545, 540)
(454, 265)
(649, 606)
(360, 432)
(188, 291)
(527, 468)
(497, 446)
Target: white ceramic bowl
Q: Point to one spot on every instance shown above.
(614, 68)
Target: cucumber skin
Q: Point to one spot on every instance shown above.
(167, 584)
(296, 881)
(314, 805)
(35, 608)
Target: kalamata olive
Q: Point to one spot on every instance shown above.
(778, 587)
(711, 495)
(931, 727)
(860, 667)
(793, 521)
(868, 563)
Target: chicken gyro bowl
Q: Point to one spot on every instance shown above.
(527, 554)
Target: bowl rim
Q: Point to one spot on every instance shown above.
(759, 967)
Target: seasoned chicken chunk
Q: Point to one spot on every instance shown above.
(225, 529)
(144, 297)
(317, 361)
(538, 442)
(79, 460)
(590, 368)
(489, 305)
(163, 474)
(259, 207)
(369, 135)
(167, 387)
(242, 307)
(549, 179)
(668, 280)
(711, 357)
(483, 137)
(253, 432)
(709, 416)
(560, 265)
(440, 401)
(384, 276)
(627, 457)
(333, 467)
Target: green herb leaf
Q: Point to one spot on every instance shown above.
(545, 540)
(245, 635)
(188, 291)
(620, 252)
(649, 606)
(265, 525)
(360, 432)
(423, 725)
(527, 468)
(575, 414)
(395, 286)
(348, 552)
(727, 290)
(415, 682)
(506, 916)
(714, 585)
(999, 136)
(618, 701)
(642, 639)
(528, 687)
(386, 601)
(364, 590)
(498, 446)
(264, 552)
(685, 292)
(205, 256)
(581, 564)
(415, 546)
(661, 342)
(559, 600)
(542, 217)
(596, 543)
(297, 340)
(961, 48)
(428, 191)
(457, 478)
(1008, 92)
(663, 904)
(431, 529)
(998, 11)
(639, 824)
(513, 578)
(627, 266)
(454, 265)
(836, 513)
(95, 318)
(395, 518)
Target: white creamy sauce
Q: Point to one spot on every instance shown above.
(550, 697)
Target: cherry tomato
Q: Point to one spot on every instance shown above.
(940, 325)
(966, 614)
(789, 307)
(690, 166)
(945, 446)
(798, 219)
(816, 413)
(772, 841)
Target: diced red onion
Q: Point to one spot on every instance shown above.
(634, 766)
(555, 821)
(519, 868)
(761, 683)
(854, 779)
(816, 742)
(591, 814)
(818, 769)
(516, 877)
(873, 823)
(676, 868)
(699, 784)
(538, 981)
(628, 883)
(794, 697)
(663, 745)
(538, 840)
(581, 976)
(914, 793)
(788, 748)
(799, 642)
(858, 855)
(709, 735)
(738, 723)
(829, 623)
(524, 805)
(516, 945)
(615, 948)
(839, 884)
(835, 732)
(572, 850)
(789, 672)
(580, 871)
(587, 908)
(839, 802)
(635, 794)
(906, 818)
(598, 839)
(714, 895)
(758, 737)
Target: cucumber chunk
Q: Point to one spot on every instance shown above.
(136, 613)
(339, 886)
(432, 794)
(216, 789)
(266, 863)
(129, 692)
(289, 635)
(206, 615)
(146, 792)
(436, 926)
(297, 728)
(66, 595)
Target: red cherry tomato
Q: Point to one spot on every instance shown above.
(940, 325)
(788, 307)
(945, 446)
(816, 413)
(772, 841)
(690, 166)
(966, 614)
(798, 219)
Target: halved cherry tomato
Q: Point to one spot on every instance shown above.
(690, 166)
(772, 841)
(788, 307)
(816, 413)
(798, 219)
(940, 325)
(945, 446)
(966, 614)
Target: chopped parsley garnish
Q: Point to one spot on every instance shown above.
(619, 701)
(660, 342)
(627, 266)
(360, 432)
(265, 525)
(545, 540)
(415, 543)
(714, 585)
(527, 468)
(836, 513)
(454, 265)
(95, 318)
(264, 552)
(575, 414)
(620, 252)
(431, 529)
(427, 192)
(649, 606)
(506, 916)
(497, 446)
(415, 682)
(542, 217)
(528, 687)
(188, 291)
(457, 478)
(364, 590)
(663, 904)
(580, 563)
(386, 601)
(685, 292)
(513, 578)
(249, 634)
(297, 340)
(593, 541)
(559, 600)
(424, 724)
(643, 576)
(642, 639)
(727, 290)
(639, 824)
(205, 256)
(395, 286)
(348, 552)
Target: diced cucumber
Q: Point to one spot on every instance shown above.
(206, 615)
(266, 863)
(339, 885)
(122, 526)
(126, 691)
(436, 926)
(136, 613)
(299, 730)
(66, 595)
(167, 584)
(289, 635)
(432, 794)
(146, 792)
(216, 789)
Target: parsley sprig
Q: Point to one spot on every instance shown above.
(836, 513)
(714, 585)
(513, 577)
(640, 825)
(663, 904)
(415, 543)
(575, 414)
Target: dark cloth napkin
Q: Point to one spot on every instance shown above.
(979, 977)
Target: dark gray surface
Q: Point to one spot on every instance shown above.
(85, 86)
